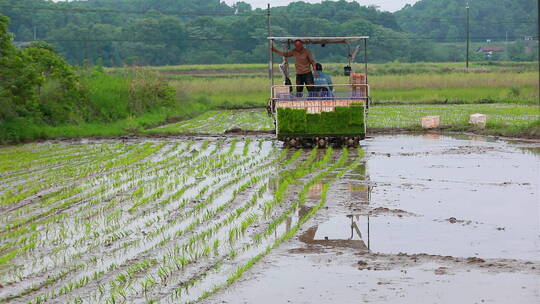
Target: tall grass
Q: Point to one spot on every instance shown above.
(454, 80)
(216, 86)
(107, 105)
(525, 95)
(108, 95)
(455, 87)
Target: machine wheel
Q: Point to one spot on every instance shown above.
(352, 142)
(294, 143)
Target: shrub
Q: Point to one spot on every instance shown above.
(147, 91)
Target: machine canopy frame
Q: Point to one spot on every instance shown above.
(318, 40)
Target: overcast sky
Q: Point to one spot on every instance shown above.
(387, 5)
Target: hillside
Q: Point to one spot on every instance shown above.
(153, 32)
(170, 32)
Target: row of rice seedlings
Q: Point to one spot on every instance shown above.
(230, 221)
(218, 249)
(191, 225)
(317, 179)
(302, 195)
(293, 157)
(51, 197)
(191, 123)
(172, 185)
(15, 181)
(250, 219)
(293, 176)
(215, 122)
(14, 162)
(207, 215)
(288, 234)
(199, 244)
(206, 235)
(94, 232)
(57, 198)
(247, 141)
(255, 120)
(217, 126)
(234, 234)
(197, 124)
(70, 174)
(93, 159)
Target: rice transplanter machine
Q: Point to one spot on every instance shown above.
(335, 116)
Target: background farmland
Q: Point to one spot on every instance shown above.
(106, 93)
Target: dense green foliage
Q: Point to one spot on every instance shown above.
(151, 32)
(497, 21)
(342, 121)
(179, 32)
(39, 89)
(489, 19)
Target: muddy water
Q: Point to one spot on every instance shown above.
(429, 218)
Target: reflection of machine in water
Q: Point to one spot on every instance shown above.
(343, 230)
(355, 240)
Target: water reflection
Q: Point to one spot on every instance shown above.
(343, 227)
(341, 233)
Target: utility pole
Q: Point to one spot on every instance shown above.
(270, 45)
(468, 35)
(506, 46)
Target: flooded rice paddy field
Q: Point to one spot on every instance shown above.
(241, 220)
(434, 219)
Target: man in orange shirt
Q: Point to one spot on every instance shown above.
(304, 64)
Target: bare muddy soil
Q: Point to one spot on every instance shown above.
(433, 219)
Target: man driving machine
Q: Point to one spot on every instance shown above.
(304, 64)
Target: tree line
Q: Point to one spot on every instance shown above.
(168, 32)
